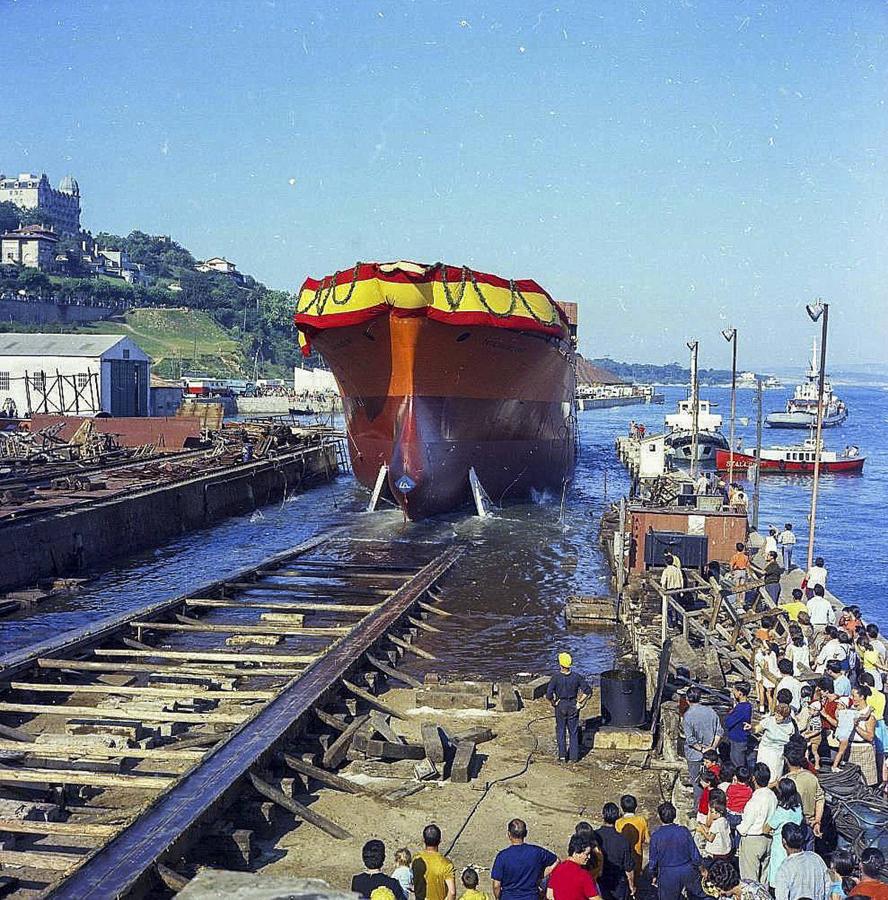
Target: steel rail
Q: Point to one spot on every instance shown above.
(125, 866)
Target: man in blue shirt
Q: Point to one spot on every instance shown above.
(567, 692)
(518, 870)
(740, 715)
(673, 857)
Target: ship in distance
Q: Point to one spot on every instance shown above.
(455, 383)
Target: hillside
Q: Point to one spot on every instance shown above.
(672, 373)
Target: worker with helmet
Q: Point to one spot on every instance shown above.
(567, 692)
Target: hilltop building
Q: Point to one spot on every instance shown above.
(31, 246)
(222, 266)
(30, 191)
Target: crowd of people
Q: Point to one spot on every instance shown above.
(622, 858)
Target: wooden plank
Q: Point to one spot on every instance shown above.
(140, 691)
(171, 878)
(44, 861)
(216, 628)
(79, 750)
(64, 829)
(16, 734)
(386, 749)
(379, 724)
(78, 665)
(423, 625)
(309, 589)
(331, 720)
(293, 605)
(367, 697)
(213, 656)
(142, 715)
(431, 608)
(392, 672)
(399, 642)
(334, 571)
(78, 776)
(335, 753)
(298, 810)
(327, 778)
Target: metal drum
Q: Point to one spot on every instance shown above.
(623, 700)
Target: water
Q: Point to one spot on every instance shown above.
(523, 562)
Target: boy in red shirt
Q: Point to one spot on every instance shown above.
(569, 879)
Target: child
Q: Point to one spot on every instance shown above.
(715, 836)
(709, 780)
(470, 883)
(711, 762)
(403, 873)
(635, 828)
(842, 869)
(737, 795)
(726, 776)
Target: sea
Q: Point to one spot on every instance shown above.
(524, 561)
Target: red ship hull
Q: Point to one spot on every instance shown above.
(431, 400)
(788, 467)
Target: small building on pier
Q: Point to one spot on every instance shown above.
(73, 374)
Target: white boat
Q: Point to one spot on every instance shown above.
(750, 379)
(801, 408)
(679, 432)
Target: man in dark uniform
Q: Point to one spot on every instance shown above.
(567, 692)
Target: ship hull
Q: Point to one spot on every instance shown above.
(431, 400)
(789, 467)
(801, 419)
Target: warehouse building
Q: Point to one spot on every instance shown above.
(73, 374)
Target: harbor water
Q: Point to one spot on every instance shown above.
(528, 558)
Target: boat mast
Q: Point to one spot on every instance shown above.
(756, 491)
(695, 406)
(730, 334)
(818, 310)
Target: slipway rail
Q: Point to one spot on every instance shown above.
(128, 747)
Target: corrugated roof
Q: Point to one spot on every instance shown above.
(13, 344)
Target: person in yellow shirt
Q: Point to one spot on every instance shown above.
(470, 883)
(635, 828)
(795, 606)
(433, 874)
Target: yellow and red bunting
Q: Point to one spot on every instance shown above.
(361, 293)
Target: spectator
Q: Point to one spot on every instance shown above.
(861, 738)
(764, 665)
(787, 541)
(872, 866)
(570, 879)
(755, 843)
(635, 828)
(803, 874)
(737, 795)
(433, 875)
(736, 722)
(842, 870)
(716, 833)
(470, 883)
(797, 651)
(820, 610)
(795, 607)
(790, 682)
(617, 880)
(808, 786)
(775, 731)
(596, 859)
(739, 566)
(789, 809)
(402, 872)
(722, 880)
(841, 682)
(673, 857)
(772, 572)
(373, 857)
(814, 576)
(519, 868)
(702, 731)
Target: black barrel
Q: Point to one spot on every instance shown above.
(623, 701)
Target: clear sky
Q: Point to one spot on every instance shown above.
(676, 167)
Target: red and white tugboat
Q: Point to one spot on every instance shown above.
(794, 459)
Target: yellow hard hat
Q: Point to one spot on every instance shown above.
(564, 660)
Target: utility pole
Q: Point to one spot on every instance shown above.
(756, 493)
(695, 407)
(815, 312)
(730, 334)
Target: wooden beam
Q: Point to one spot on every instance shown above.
(78, 776)
(214, 656)
(283, 605)
(431, 608)
(298, 810)
(334, 571)
(419, 623)
(79, 665)
(392, 672)
(95, 712)
(297, 589)
(171, 878)
(328, 778)
(367, 697)
(216, 628)
(63, 829)
(32, 859)
(16, 734)
(399, 642)
(74, 750)
(329, 719)
(140, 691)
(335, 753)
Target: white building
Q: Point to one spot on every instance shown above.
(310, 380)
(30, 191)
(73, 374)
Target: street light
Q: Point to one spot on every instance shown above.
(816, 311)
(730, 335)
(695, 407)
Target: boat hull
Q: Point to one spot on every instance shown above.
(431, 400)
(800, 419)
(744, 461)
(708, 444)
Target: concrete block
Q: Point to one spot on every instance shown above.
(610, 738)
(425, 770)
(433, 742)
(534, 689)
(508, 699)
(463, 761)
(439, 699)
(211, 884)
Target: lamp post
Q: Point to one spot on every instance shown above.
(818, 310)
(695, 407)
(730, 335)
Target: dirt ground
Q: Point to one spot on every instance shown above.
(549, 796)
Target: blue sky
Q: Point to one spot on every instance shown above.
(675, 167)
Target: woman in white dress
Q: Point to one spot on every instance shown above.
(774, 733)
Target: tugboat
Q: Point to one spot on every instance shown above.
(794, 459)
(680, 433)
(454, 383)
(801, 408)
